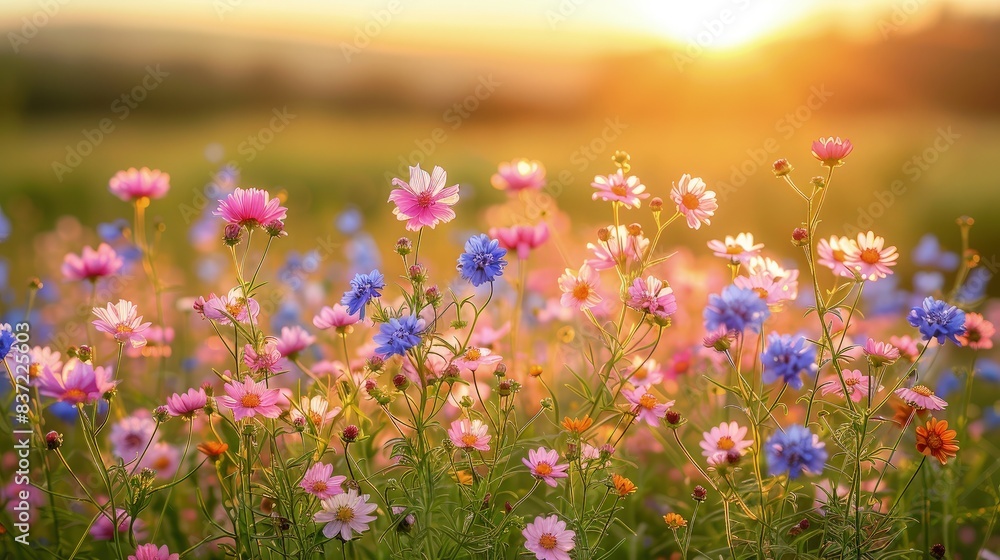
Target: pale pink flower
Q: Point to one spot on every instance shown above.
(233, 304)
(425, 200)
(162, 458)
(77, 382)
(858, 385)
(251, 208)
(870, 257)
(719, 339)
(249, 399)
(133, 184)
(122, 321)
(320, 482)
(646, 373)
(92, 265)
(652, 296)
(723, 439)
(646, 406)
(264, 361)
(785, 281)
(150, 552)
(621, 248)
(833, 253)
(44, 357)
(548, 538)
(544, 465)
(187, 404)
(908, 347)
(521, 238)
(922, 397)
(880, 353)
(335, 317)
(317, 409)
(130, 436)
(470, 435)
(434, 365)
(831, 151)
(978, 332)
(104, 528)
(618, 188)
(486, 336)
(580, 290)
(693, 201)
(474, 358)
(740, 248)
(293, 340)
(345, 515)
(518, 175)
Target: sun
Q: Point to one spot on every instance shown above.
(721, 24)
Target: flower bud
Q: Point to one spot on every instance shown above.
(375, 364)
(400, 382)
(781, 167)
(404, 246)
(53, 440)
(465, 402)
(232, 235)
(673, 418)
(207, 387)
(299, 422)
(503, 388)
(85, 353)
(276, 228)
(656, 204)
(161, 414)
(35, 284)
(501, 370)
(819, 183)
(699, 494)
(350, 433)
(937, 551)
(800, 236)
(450, 372)
(535, 370)
(606, 451)
(546, 403)
(635, 230)
(370, 385)
(418, 274)
(604, 234)
(433, 296)
(622, 160)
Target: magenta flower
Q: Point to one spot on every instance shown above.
(424, 201)
(249, 399)
(519, 175)
(880, 353)
(130, 436)
(336, 317)
(727, 437)
(187, 405)
(580, 290)
(522, 239)
(134, 184)
(921, 397)
(739, 249)
(544, 465)
(345, 514)
(470, 435)
(831, 151)
(696, 203)
(293, 341)
(122, 321)
(320, 482)
(617, 188)
(645, 405)
(150, 552)
(91, 265)
(251, 208)
(474, 358)
(653, 297)
(870, 258)
(548, 538)
(233, 304)
(858, 385)
(265, 361)
(78, 382)
(104, 528)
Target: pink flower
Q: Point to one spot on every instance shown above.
(621, 248)
(858, 385)
(335, 317)
(91, 264)
(544, 465)
(833, 254)
(908, 347)
(317, 410)
(548, 538)
(693, 201)
(123, 322)
(162, 458)
(870, 257)
(345, 514)
(646, 373)
(104, 528)
(264, 361)
(719, 340)
(469, 435)
(921, 397)
(519, 175)
(250, 208)
(150, 552)
(522, 239)
(233, 304)
(293, 340)
(130, 436)
(474, 357)
(766, 287)
(77, 382)
(645, 405)
(134, 184)
(784, 282)
(580, 290)
(880, 353)
(486, 336)
(831, 151)
(320, 482)
(653, 297)
(740, 248)
(723, 439)
(250, 399)
(187, 404)
(433, 366)
(617, 188)
(978, 332)
(424, 201)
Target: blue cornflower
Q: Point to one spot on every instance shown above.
(6, 340)
(398, 335)
(786, 357)
(736, 308)
(936, 319)
(482, 260)
(364, 287)
(794, 451)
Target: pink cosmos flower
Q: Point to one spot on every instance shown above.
(293, 340)
(518, 175)
(617, 188)
(740, 248)
(653, 297)
(719, 339)
(833, 253)
(470, 435)
(978, 332)
(77, 382)
(831, 151)
(784, 283)
(317, 410)
(424, 201)
(725, 438)
(645, 405)
(158, 341)
(264, 361)
(187, 404)
(43, 357)
(858, 385)
(921, 397)
(92, 265)
(233, 304)
(251, 208)
(580, 290)
(880, 353)
(544, 465)
(249, 399)
(320, 482)
(766, 287)
(908, 347)
(474, 357)
(345, 514)
(486, 336)
(548, 538)
(104, 528)
(162, 458)
(621, 248)
(133, 184)
(150, 552)
(520, 238)
(434, 366)
(646, 373)
(335, 317)
(870, 257)
(122, 321)
(130, 436)
(693, 201)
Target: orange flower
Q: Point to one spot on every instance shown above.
(213, 449)
(535, 370)
(936, 440)
(623, 486)
(577, 425)
(674, 520)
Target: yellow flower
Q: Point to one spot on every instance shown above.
(674, 520)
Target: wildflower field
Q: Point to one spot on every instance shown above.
(529, 389)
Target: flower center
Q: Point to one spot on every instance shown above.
(469, 440)
(123, 329)
(923, 391)
(345, 514)
(161, 463)
(761, 293)
(581, 292)
(543, 469)
(473, 354)
(647, 401)
(234, 309)
(870, 256)
(839, 255)
(618, 190)
(733, 249)
(319, 487)
(133, 440)
(640, 373)
(852, 381)
(973, 335)
(425, 199)
(75, 395)
(316, 418)
(547, 541)
(250, 400)
(690, 201)
(934, 441)
(726, 443)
